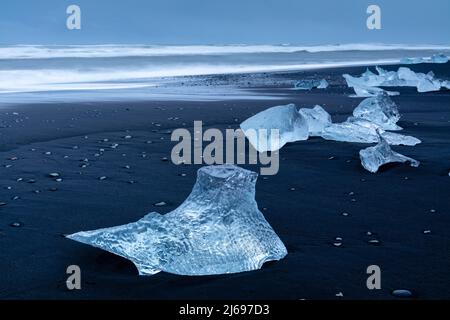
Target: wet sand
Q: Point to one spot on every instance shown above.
(318, 181)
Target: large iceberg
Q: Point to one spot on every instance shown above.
(373, 158)
(436, 58)
(317, 118)
(360, 130)
(218, 229)
(272, 128)
(310, 84)
(380, 110)
(404, 77)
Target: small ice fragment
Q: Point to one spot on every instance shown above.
(272, 128)
(317, 119)
(218, 229)
(310, 84)
(436, 58)
(373, 158)
(380, 110)
(323, 84)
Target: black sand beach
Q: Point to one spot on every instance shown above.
(318, 181)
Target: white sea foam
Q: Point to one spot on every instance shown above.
(114, 51)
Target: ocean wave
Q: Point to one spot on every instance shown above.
(16, 81)
(114, 51)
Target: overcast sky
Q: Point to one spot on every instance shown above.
(224, 22)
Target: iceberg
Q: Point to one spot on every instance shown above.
(373, 158)
(363, 131)
(310, 84)
(436, 58)
(380, 110)
(218, 229)
(272, 128)
(317, 118)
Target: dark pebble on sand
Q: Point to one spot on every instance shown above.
(402, 293)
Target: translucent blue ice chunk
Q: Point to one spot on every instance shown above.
(272, 128)
(380, 110)
(373, 158)
(363, 131)
(218, 229)
(317, 118)
(310, 84)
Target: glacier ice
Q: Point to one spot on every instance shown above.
(323, 84)
(380, 110)
(436, 58)
(373, 158)
(364, 92)
(404, 77)
(310, 84)
(218, 229)
(317, 119)
(272, 128)
(363, 131)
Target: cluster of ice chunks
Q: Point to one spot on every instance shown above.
(311, 84)
(368, 83)
(272, 128)
(218, 229)
(373, 158)
(436, 58)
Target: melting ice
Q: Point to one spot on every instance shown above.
(218, 229)
(272, 128)
(373, 158)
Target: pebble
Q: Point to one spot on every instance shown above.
(58, 180)
(369, 233)
(48, 153)
(54, 175)
(339, 294)
(37, 191)
(164, 159)
(15, 198)
(427, 232)
(8, 166)
(127, 137)
(351, 193)
(345, 214)
(160, 204)
(337, 244)
(374, 242)
(331, 158)
(402, 293)
(19, 179)
(13, 158)
(433, 211)
(8, 188)
(292, 189)
(102, 178)
(114, 146)
(31, 181)
(182, 174)
(127, 167)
